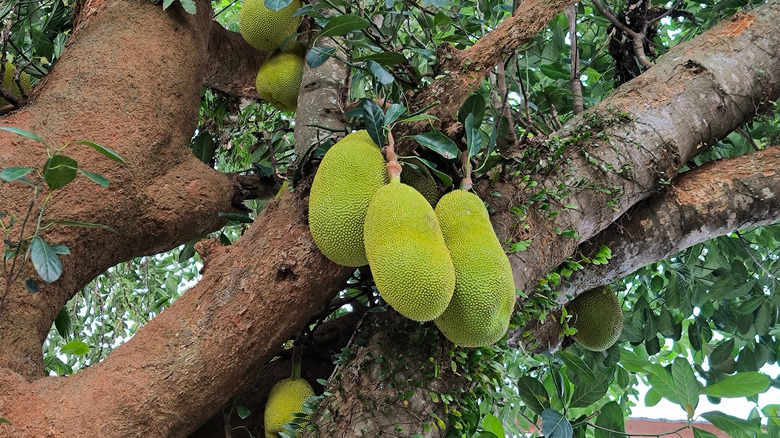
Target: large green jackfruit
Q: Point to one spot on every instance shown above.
(421, 180)
(598, 318)
(349, 175)
(285, 399)
(8, 82)
(484, 297)
(265, 29)
(409, 260)
(279, 79)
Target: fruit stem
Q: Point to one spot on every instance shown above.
(392, 166)
(296, 370)
(466, 183)
(390, 148)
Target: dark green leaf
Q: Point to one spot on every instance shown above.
(739, 385)
(45, 260)
(23, 133)
(100, 179)
(344, 24)
(276, 5)
(59, 171)
(555, 425)
(317, 55)
(375, 122)
(242, 411)
(585, 394)
(62, 323)
(13, 173)
(32, 285)
(5, 421)
(474, 105)
(473, 138)
(393, 112)
(203, 147)
(242, 218)
(533, 394)
(70, 223)
(387, 59)
(735, 427)
(76, 348)
(763, 321)
(382, 75)
(722, 352)
(554, 71)
(701, 433)
(102, 149)
(612, 418)
(577, 367)
(439, 143)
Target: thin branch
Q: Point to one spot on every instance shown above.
(578, 105)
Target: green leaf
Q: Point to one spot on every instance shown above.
(738, 385)
(102, 149)
(203, 147)
(45, 260)
(242, 411)
(23, 133)
(473, 138)
(59, 170)
(4, 420)
(100, 179)
(382, 75)
(375, 122)
(76, 348)
(735, 427)
(13, 173)
(276, 5)
(686, 385)
(242, 218)
(189, 6)
(344, 24)
(62, 323)
(577, 367)
(386, 59)
(166, 4)
(701, 433)
(418, 118)
(439, 143)
(722, 352)
(555, 425)
(493, 425)
(70, 223)
(317, 55)
(393, 112)
(475, 105)
(612, 418)
(32, 285)
(533, 394)
(585, 394)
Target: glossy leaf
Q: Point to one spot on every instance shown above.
(317, 55)
(76, 348)
(473, 138)
(735, 427)
(439, 143)
(99, 179)
(102, 149)
(387, 59)
(45, 260)
(393, 112)
(493, 425)
(576, 366)
(62, 323)
(204, 147)
(375, 122)
(383, 76)
(701, 433)
(686, 385)
(344, 24)
(59, 171)
(739, 385)
(13, 173)
(22, 133)
(533, 394)
(474, 105)
(612, 418)
(555, 425)
(585, 394)
(276, 5)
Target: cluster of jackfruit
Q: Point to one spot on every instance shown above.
(9, 83)
(598, 318)
(279, 78)
(285, 399)
(444, 265)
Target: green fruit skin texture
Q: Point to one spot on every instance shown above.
(421, 180)
(279, 80)
(8, 82)
(598, 318)
(484, 297)
(348, 177)
(265, 29)
(409, 260)
(285, 399)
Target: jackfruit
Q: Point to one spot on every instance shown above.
(285, 399)
(265, 29)
(421, 180)
(409, 260)
(279, 79)
(9, 83)
(598, 318)
(349, 175)
(484, 297)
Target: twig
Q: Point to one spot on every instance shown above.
(637, 38)
(578, 104)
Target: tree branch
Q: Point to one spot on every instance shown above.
(232, 63)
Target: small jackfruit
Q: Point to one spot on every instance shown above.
(349, 175)
(264, 28)
(484, 297)
(421, 180)
(279, 79)
(285, 399)
(409, 260)
(598, 318)
(9, 83)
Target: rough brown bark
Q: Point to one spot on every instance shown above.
(232, 63)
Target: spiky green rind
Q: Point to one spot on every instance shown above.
(598, 318)
(285, 399)
(421, 180)
(8, 82)
(265, 29)
(348, 177)
(279, 80)
(409, 260)
(484, 297)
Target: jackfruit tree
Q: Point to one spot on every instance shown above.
(160, 274)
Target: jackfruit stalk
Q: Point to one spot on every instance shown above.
(484, 297)
(598, 318)
(348, 177)
(409, 260)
